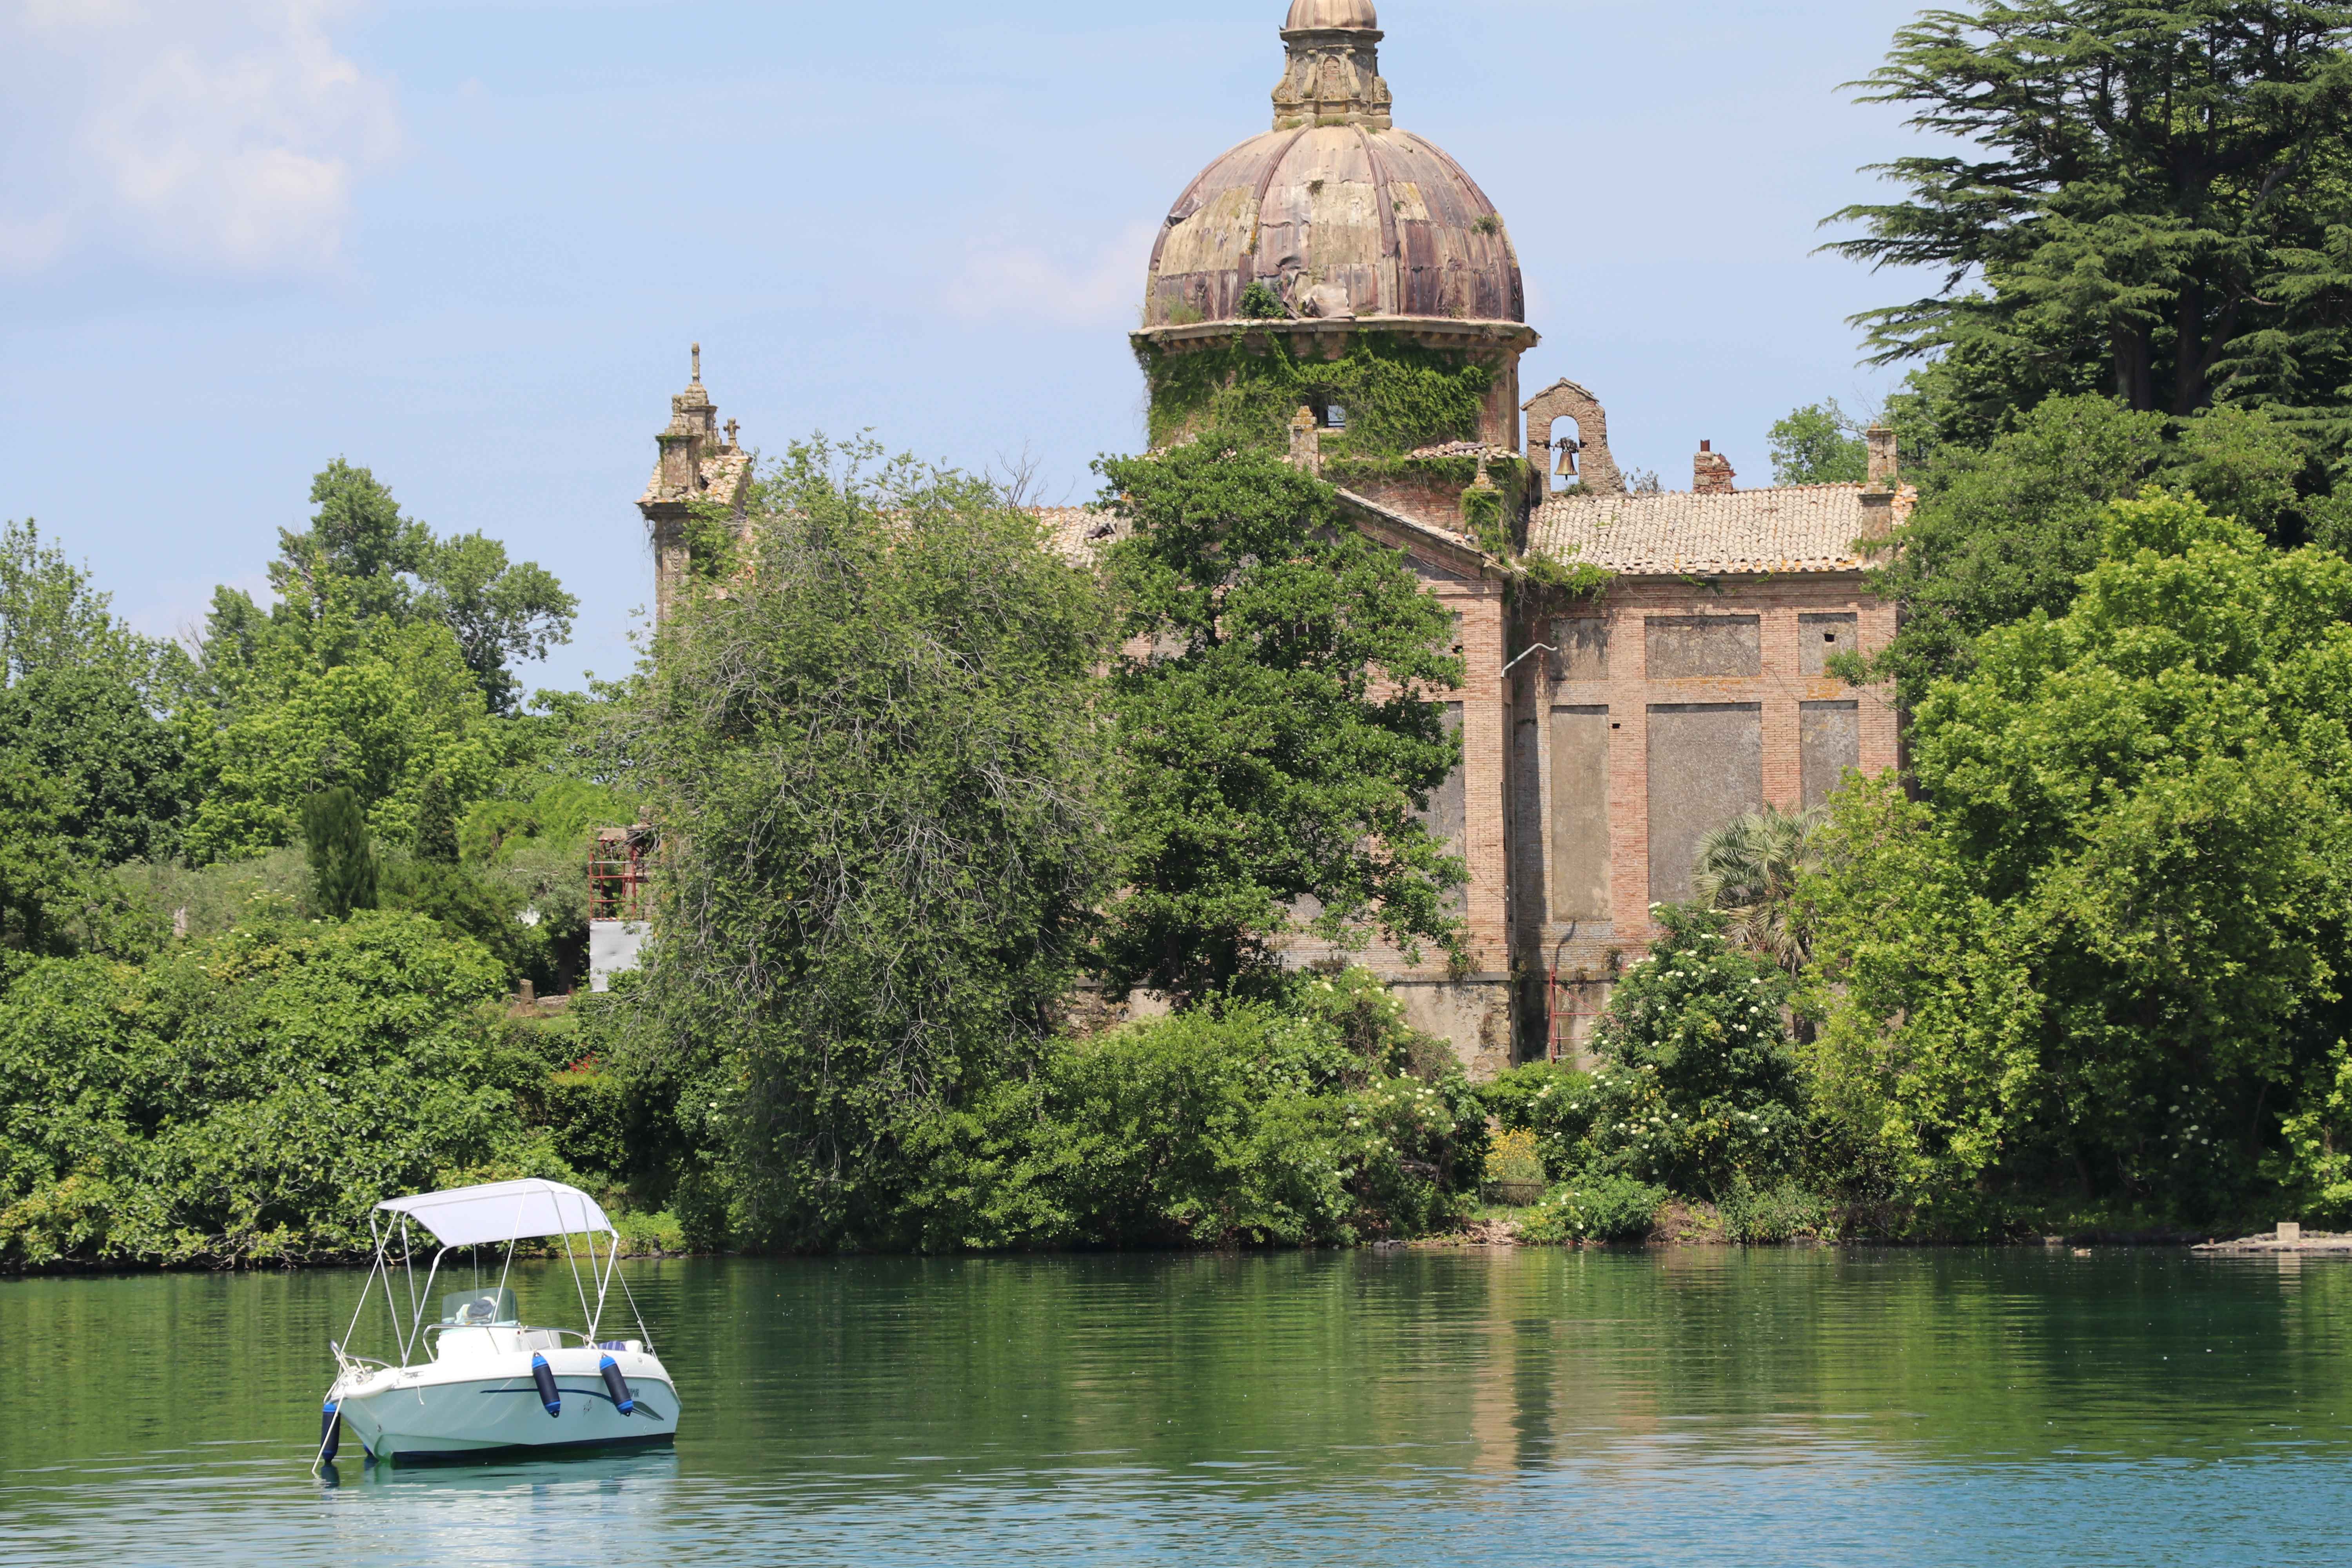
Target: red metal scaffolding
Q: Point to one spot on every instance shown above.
(619, 879)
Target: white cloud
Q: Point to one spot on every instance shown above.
(1084, 289)
(221, 134)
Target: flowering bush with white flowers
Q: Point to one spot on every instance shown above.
(1699, 1087)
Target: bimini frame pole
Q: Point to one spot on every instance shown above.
(416, 1328)
(383, 1267)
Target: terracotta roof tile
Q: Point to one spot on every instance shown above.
(1078, 532)
(1798, 528)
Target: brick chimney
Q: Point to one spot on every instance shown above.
(1882, 467)
(1711, 473)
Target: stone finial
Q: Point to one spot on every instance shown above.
(1307, 442)
(697, 364)
(1711, 471)
(1883, 464)
(732, 426)
(1334, 75)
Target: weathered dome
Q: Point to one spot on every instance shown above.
(1343, 215)
(1306, 14)
(1340, 220)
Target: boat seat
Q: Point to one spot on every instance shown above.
(478, 1309)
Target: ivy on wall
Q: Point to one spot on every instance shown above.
(1399, 396)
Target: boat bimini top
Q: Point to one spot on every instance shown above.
(501, 1214)
(505, 1210)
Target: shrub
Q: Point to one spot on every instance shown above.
(1598, 1206)
(1512, 1162)
(1554, 1103)
(1251, 1125)
(1773, 1214)
(249, 1098)
(1699, 1087)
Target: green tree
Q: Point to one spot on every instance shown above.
(43, 888)
(2153, 213)
(374, 705)
(436, 823)
(1748, 870)
(91, 776)
(1698, 1088)
(1281, 729)
(879, 767)
(52, 618)
(361, 557)
(121, 768)
(2006, 530)
(2101, 946)
(1819, 444)
(501, 613)
(342, 861)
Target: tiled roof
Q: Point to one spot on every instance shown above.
(1078, 532)
(723, 474)
(1799, 528)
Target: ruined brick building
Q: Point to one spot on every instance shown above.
(1604, 734)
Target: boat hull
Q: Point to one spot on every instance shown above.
(432, 1415)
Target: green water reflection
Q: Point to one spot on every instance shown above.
(1768, 1406)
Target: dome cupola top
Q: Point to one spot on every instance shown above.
(1335, 211)
(1323, 15)
(1334, 76)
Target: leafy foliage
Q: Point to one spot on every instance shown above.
(1599, 1207)
(1244, 391)
(2007, 530)
(373, 705)
(1748, 870)
(1555, 1104)
(1280, 735)
(1322, 1121)
(51, 618)
(362, 558)
(2155, 211)
(247, 1099)
(1698, 1087)
(343, 862)
(878, 768)
(1819, 444)
(2100, 946)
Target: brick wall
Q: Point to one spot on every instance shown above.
(1593, 950)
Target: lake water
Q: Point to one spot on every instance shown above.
(1765, 1407)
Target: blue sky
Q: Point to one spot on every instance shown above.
(467, 242)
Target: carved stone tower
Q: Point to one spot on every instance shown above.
(1335, 67)
(697, 473)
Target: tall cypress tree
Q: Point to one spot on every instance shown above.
(342, 863)
(436, 823)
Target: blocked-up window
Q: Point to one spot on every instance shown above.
(1829, 739)
(1448, 817)
(1579, 814)
(1582, 645)
(1683, 647)
(1822, 637)
(1706, 770)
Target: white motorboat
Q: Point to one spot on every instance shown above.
(477, 1382)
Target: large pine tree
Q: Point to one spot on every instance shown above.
(2155, 203)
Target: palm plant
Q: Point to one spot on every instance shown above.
(1748, 869)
